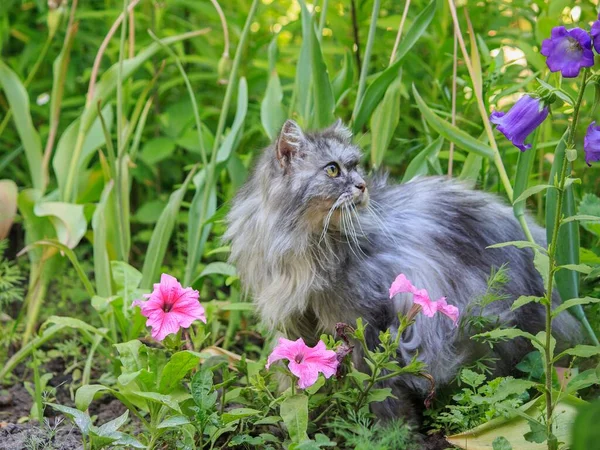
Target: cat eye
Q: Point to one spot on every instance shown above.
(332, 170)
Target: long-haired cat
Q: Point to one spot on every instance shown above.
(316, 243)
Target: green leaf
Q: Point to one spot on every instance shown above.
(531, 191)
(18, 101)
(129, 355)
(542, 265)
(343, 80)
(532, 364)
(567, 248)
(583, 380)
(450, 132)
(154, 397)
(94, 139)
(272, 114)
(239, 413)
(519, 244)
(590, 206)
(501, 443)
(217, 268)
(418, 165)
(178, 366)
(537, 433)
(582, 218)
(110, 427)
(162, 235)
(323, 101)
(384, 121)
(81, 419)
(574, 302)
(157, 149)
(379, 395)
(507, 333)
(581, 268)
(586, 433)
(101, 258)
(8, 205)
(303, 81)
(173, 422)
(86, 393)
(72, 257)
(201, 386)
(375, 91)
(68, 220)
(582, 351)
(294, 412)
(525, 299)
(126, 277)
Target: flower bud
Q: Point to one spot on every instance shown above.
(223, 69)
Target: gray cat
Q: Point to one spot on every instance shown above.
(316, 243)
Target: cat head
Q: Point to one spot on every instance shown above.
(320, 169)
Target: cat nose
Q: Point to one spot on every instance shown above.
(361, 186)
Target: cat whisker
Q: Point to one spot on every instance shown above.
(352, 230)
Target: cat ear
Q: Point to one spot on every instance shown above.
(289, 142)
(341, 130)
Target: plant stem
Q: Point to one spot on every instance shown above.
(355, 33)
(552, 262)
(365, 66)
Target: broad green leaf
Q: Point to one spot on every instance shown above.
(129, 355)
(125, 276)
(234, 134)
(101, 258)
(94, 139)
(471, 169)
(418, 165)
(583, 380)
(501, 443)
(173, 422)
(8, 205)
(542, 265)
(384, 121)
(302, 84)
(157, 150)
(239, 413)
(590, 206)
(567, 249)
(154, 397)
(294, 412)
(112, 426)
(582, 218)
(525, 299)
(68, 220)
(81, 419)
(201, 389)
(507, 333)
(532, 191)
(379, 395)
(574, 302)
(272, 114)
(162, 235)
(86, 393)
(450, 132)
(524, 166)
(71, 322)
(178, 367)
(378, 87)
(18, 101)
(323, 101)
(586, 433)
(343, 80)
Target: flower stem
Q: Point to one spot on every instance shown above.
(552, 262)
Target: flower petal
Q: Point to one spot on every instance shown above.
(449, 310)
(429, 307)
(401, 284)
(307, 373)
(286, 349)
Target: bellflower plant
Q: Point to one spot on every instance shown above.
(595, 32)
(521, 120)
(568, 51)
(591, 143)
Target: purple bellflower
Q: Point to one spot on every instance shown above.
(567, 51)
(521, 120)
(595, 32)
(591, 144)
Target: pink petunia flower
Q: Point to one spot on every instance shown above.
(305, 362)
(421, 297)
(170, 307)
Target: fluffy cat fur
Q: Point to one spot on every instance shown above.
(313, 250)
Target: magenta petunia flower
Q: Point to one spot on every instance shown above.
(521, 120)
(305, 362)
(595, 32)
(591, 144)
(170, 307)
(421, 297)
(568, 51)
